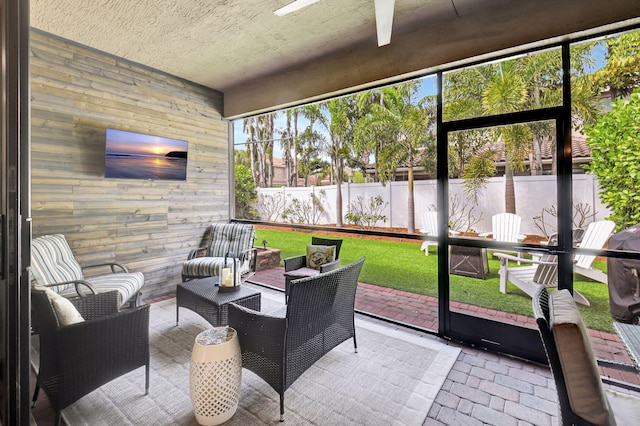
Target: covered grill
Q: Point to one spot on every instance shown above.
(624, 286)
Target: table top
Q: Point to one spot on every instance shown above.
(630, 336)
(216, 336)
(207, 288)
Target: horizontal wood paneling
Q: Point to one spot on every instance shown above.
(150, 226)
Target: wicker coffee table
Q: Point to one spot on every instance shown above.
(202, 297)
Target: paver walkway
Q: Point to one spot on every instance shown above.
(422, 311)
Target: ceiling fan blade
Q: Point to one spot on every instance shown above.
(384, 20)
(293, 6)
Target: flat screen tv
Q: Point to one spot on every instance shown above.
(137, 156)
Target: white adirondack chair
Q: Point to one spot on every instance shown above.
(430, 228)
(542, 272)
(505, 227)
(595, 237)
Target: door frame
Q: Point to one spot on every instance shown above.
(491, 334)
(15, 220)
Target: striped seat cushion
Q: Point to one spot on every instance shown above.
(126, 284)
(210, 267)
(224, 238)
(52, 262)
(579, 365)
(230, 238)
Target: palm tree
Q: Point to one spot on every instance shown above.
(290, 144)
(526, 83)
(261, 137)
(398, 129)
(337, 117)
(505, 93)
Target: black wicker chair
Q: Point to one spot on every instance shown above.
(79, 358)
(572, 361)
(319, 316)
(296, 267)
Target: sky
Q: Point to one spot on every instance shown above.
(122, 142)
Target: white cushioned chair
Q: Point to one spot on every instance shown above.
(53, 265)
(223, 241)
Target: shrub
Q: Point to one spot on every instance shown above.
(271, 206)
(615, 151)
(305, 211)
(366, 214)
(245, 192)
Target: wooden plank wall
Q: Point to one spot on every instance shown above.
(149, 225)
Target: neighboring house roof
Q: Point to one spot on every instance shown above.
(579, 149)
(581, 153)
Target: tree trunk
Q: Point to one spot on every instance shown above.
(339, 194)
(269, 150)
(339, 204)
(535, 162)
(509, 189)
(294, 143)
(411, 215)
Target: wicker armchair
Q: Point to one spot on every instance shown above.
(78, 358)
(296, 267)
(53, 265)
(319, 316)
(221, 241)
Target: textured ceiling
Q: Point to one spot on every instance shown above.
(261, 61)
(220, 43)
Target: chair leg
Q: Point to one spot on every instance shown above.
(146, 379)
(36, 392)
(287, 281)
(136, 301)
(282, 407)
(355, 343)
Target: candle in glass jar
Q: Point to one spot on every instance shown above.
(226, 278)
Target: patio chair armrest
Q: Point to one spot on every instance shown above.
(94, 340)
(252, 255)
(77, 284)
(295, 262)
(97, 305)
(198, 252)
(112, 265)
(330, 266)
(257, 331)
(504, 257)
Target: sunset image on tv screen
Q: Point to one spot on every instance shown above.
(138, 156)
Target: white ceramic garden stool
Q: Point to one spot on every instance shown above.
(215, 375)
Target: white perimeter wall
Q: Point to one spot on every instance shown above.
(533, 193)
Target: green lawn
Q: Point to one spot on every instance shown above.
(404, 267)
